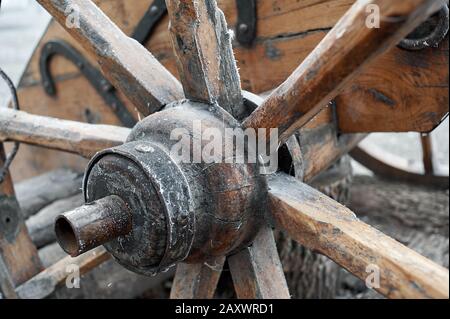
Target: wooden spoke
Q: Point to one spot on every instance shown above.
(427, 154)
(124, 62)
(197, 281)
(46, 282)
(19, 259)
(69, 136)
(393, 167)
(257, 271)
(204, 54)
(322, 146)
(340, 56)
(321, 224)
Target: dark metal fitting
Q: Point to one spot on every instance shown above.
(92, 225)
(430, 33)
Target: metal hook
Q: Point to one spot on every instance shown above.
(434, 37)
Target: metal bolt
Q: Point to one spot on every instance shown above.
(106, 86)
(142, 148)
(243, 27)
(154, 10)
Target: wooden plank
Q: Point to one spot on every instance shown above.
(323, 225)
(69, 136)
(257, 271)
(46, 282)
(124, 62)
(197, 281)
(18, 256)
(336, 61)
(205, 58)
(402, 91)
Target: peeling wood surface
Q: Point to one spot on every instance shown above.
(197, 281)
(336, 61)
(69, 136)
(205, 58)
(327, 227)
(257, 271)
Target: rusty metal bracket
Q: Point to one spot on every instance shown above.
(154, 14)
(94, 76)
(247, 21)
(428, 35)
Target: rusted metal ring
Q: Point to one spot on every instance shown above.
(434, 38)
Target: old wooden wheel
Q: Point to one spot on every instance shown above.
(428, 173)
(151, 212)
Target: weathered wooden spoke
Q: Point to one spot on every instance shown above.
(46, 282)
(205, 57)
(323, 225)
(257, 271)
(428, 159)
(197, 281)
(69, 136)
(125, 62)
(336, 61)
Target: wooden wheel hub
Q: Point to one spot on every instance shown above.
(177, 210)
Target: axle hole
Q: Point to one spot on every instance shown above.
(66, 236)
